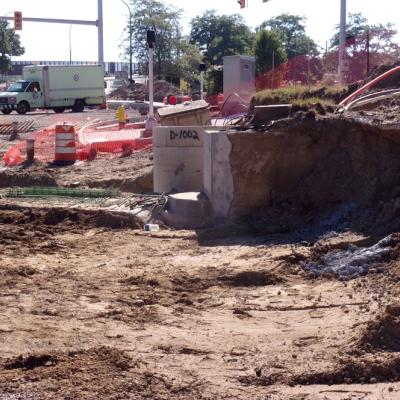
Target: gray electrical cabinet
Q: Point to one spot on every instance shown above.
(239, 76)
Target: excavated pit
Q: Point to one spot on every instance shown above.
(306, 165)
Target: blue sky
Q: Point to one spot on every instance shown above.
(51, 41)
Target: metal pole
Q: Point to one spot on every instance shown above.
(130, 46)
(70, 45)
(202, 85)
(342, 41)
(130, 39)
(100, 31)
(53, 20)
(151, 83)
(151, 122)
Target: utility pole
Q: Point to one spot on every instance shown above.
(100, 32)
(342, 41)
(70, 45)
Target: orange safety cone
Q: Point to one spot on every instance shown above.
(65, 149)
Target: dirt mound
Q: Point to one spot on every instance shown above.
(96, 373)
(382, 333)
(101, 372)
(348, 370)
(36, 227)
(368, 369)
(390, 82)
(9, 178)
(251, 278)
(163, 89)
(65, 218)
(138, 91)
(132, 91)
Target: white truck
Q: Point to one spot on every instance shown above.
(58, 87)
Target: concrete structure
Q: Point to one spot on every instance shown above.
(239, 76)
(188, 210)
(217, 176)
(195, 113)
(178, 159)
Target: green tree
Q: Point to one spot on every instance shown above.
(292, 31)
(220, 35)
(188, 62)
(381, 36)
(165, 21)
(268, 47)
(9, 46)
(366, 45)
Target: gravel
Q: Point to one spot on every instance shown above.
(353, 262)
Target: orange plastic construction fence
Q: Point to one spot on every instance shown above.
(97, 140)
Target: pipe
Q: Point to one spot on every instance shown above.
(371, 99)
(369, 85)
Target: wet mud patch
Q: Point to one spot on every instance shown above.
(101, 372)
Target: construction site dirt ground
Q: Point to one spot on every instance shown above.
(93, 307)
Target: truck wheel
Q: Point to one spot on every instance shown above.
(22, 107)
(78, 106)
(59, 110)
(6, 111)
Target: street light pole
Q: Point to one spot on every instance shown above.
(100, 32)
(342, 41)
(70, 45)
(130, 40)
(151, 122)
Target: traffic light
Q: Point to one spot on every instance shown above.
(17, 20)
(242, 3)
(151, 39)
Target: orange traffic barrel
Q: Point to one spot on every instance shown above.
(65, 150)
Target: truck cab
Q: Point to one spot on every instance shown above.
(22, 96)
